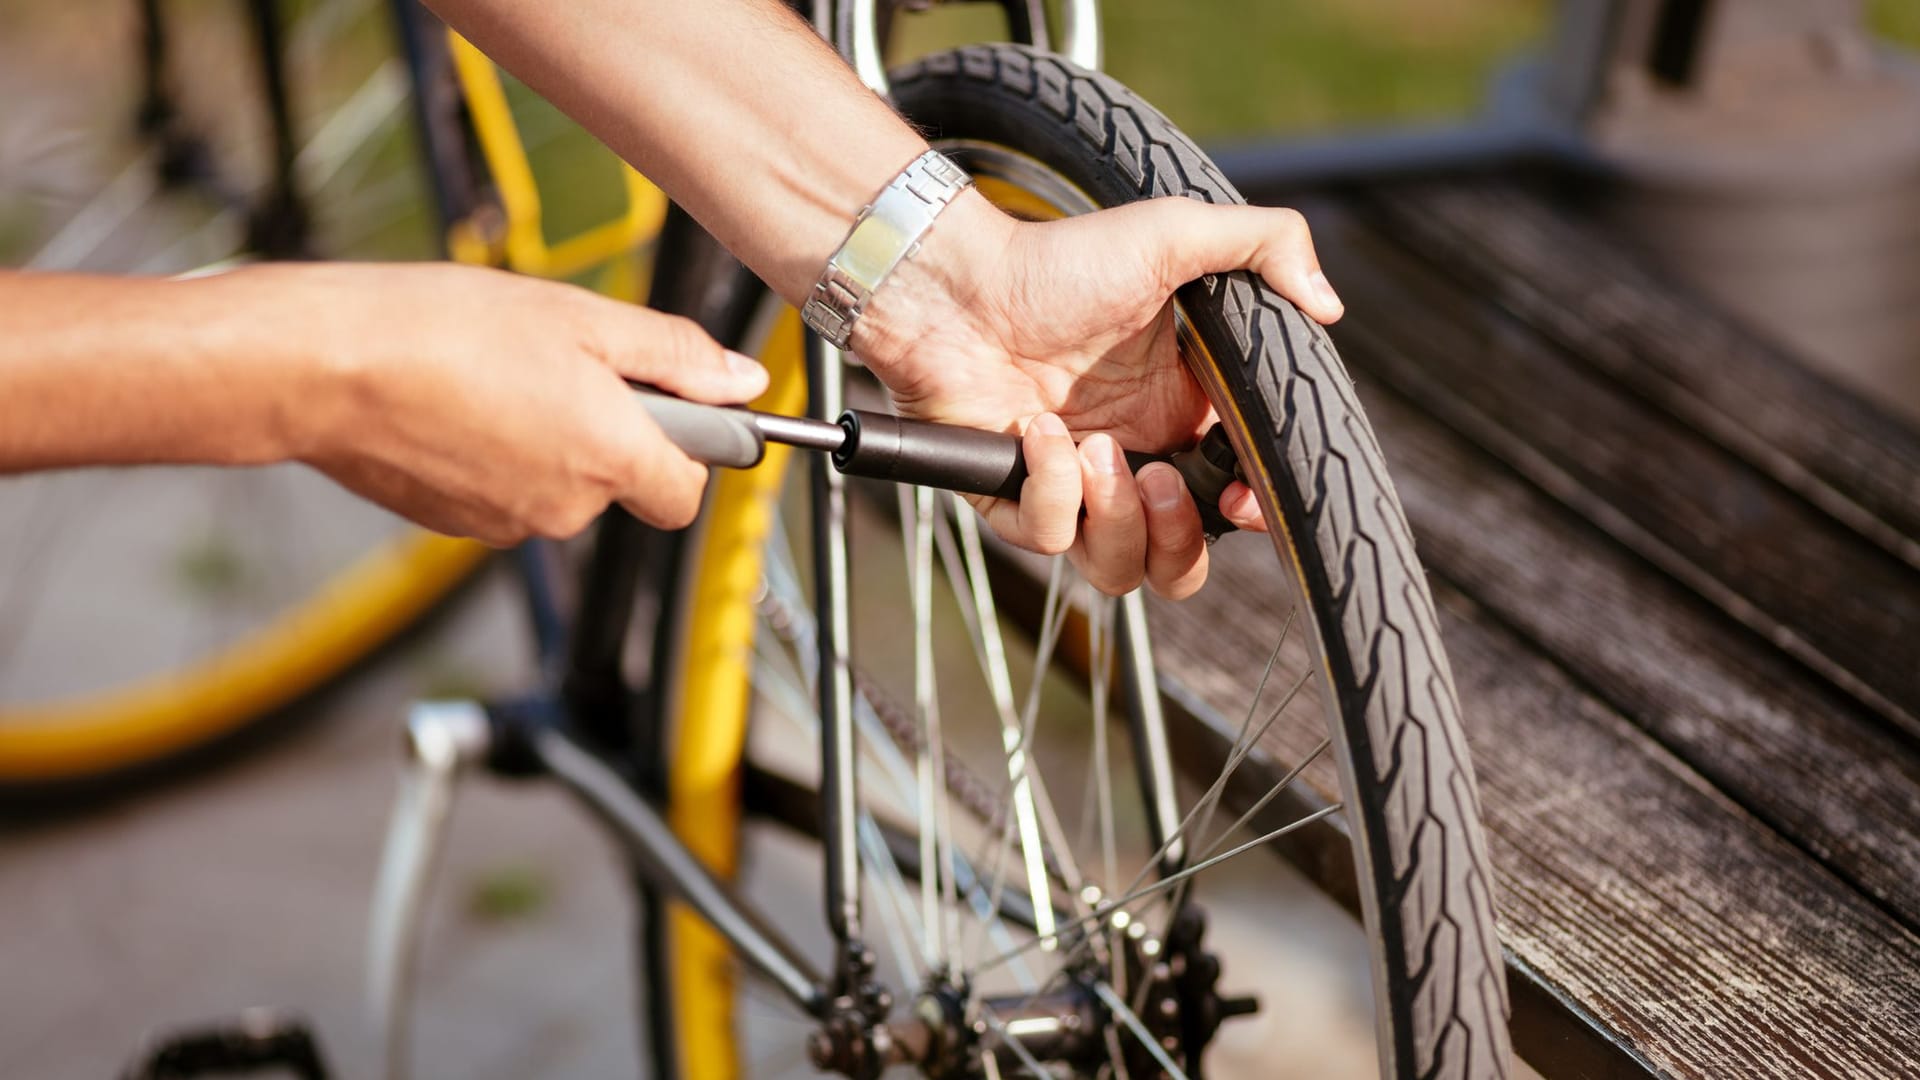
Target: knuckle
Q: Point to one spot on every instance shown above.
(1290, 222)
(568, 519)
(500, 539)
(1050, 541)
(674, 494)
(681, 336)
(1050, 534)
(1179, 587)
(677, 513)
(1178, 538)
(497, 530)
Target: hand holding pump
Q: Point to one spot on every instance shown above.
(886, 447)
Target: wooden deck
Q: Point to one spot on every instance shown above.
(1680, 583)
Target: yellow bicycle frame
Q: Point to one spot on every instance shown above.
(524, 247)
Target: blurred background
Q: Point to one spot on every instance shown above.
(249, 881)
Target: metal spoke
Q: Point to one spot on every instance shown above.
(1271, 794)
(1126, 1015)
(935, 815)
(785, 690)
(1211, 803)
(1032, 804)
(764, 1006)
(896, 913)
(1100, 668)
(1052, 622)
(1219, 788)
(1243, 744)
(1012, 1042)
(779, 675)
(1100, 654)
(52, 513)
(1202, 809)
(377, 99)
(928, 533)
(1116, 1057)
(377, 103)
(779, 684)
(966, 572)
(1108, 907)
(88, 229)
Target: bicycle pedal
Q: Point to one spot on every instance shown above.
(255, 1040)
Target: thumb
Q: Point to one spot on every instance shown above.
(676, 355)
(1196, 239)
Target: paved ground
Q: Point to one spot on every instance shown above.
(251, 884)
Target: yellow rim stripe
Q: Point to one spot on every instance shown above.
(353, 614)
(715, 679)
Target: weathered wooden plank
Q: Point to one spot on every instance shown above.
(1814, 588)
(1706, 942)
(1795, 753)
(1610, 310)
(1792, 751)
(1635, 899)
(1654, 925)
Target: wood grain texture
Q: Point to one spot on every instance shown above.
(1564, 278)
(1818, 590)
(1792, 750)
(1795, 753)
(1633, 896)
(1707, 943)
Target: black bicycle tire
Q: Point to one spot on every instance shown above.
(1426, 880)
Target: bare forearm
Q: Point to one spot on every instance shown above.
(97, 370)
(735, 107)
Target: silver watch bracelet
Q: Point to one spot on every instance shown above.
(888, 231)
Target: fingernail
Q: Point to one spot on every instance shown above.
(1162, 487)
(1324, 289)
(1103, 455)
(1050, 425)
(1245, 505)
(742, 364)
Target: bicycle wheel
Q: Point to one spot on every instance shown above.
(244, 591)
(160, 715)
(237, 592)
(1367, 676)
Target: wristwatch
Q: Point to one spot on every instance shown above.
(887, 231)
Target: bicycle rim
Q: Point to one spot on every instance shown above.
(169, 713)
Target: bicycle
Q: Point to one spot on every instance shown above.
(658, 745)
(667, 764)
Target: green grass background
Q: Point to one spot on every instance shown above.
(1240, 68)
(1226, 70)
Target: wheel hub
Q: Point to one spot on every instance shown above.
(948, 1032)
